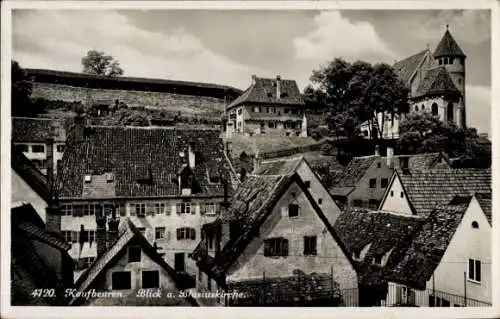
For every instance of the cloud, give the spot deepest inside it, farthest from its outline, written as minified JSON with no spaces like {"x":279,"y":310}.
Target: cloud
{"x":478,"y":103}
{"x":58,"y":39}
{"x":336,"y":36}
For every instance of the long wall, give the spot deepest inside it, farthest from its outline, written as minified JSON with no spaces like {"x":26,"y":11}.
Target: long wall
{"x":169,"y":101}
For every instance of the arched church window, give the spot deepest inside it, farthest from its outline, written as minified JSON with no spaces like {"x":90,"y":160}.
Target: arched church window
{"x":440,"y":61}
{"x":423,"y":107}
{"x":416,"y":108}
{"x":434,"y":109}
{"x":451,"y":60}
{"x":449,"y":112}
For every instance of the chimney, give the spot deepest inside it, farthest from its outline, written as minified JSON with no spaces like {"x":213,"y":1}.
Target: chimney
{"x":191,"y":155}
{"x":226,"y":203}
{"x":53,"y":211}
{"x":79,"y":128}
{"x":113,"y":223}
{"x":278,"y":87}
{"x":254,"y":79}
{"x":390,"y":157}
{"x":377,"y":150}
{"x":403,"y":163}
{"x":256,"y":161}
{"x":100,"y":234}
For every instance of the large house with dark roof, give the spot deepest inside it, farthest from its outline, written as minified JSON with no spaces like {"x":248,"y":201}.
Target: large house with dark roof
{"x":279,"y":222}
{"x":441,"y":260}
{"x":168,"y":181}
{"x":268,"y":106}
{"x":437,"y":80}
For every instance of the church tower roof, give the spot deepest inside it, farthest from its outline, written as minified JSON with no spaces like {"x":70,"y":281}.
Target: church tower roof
{"x":448,"y":46}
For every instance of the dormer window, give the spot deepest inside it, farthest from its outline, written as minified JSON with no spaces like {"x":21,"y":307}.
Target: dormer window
{"x":377,"y":259}
{"x":110,"y":177}
{"x":356,"y":255}
{"x":88,"y":178}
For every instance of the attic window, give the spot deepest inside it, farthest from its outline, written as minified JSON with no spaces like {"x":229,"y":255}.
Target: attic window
{"x":88,"y":178}
{"x":356,"y":255}
{"x":475,"y":224}
{"x":377,"y":259}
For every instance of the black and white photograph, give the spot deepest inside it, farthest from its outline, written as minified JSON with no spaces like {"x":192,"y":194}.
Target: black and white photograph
{"x":212,"y":156}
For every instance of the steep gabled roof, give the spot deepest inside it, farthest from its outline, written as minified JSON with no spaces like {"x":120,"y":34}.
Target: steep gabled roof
{"x":29,"y":173}
{"x":429,"y":245}
{"x":281,"y":166}
{"x":427,"y":188}
{"x":133,"y":154}
{"x":437,"y":81}
{"x":354,"y":171}
{"x":263,"y":91}
{"x":37,"y":130}
{"x":448,"y":47}
{"x":406,"y":67}
{"x":484,"y":200}
{"x":422,"y":161}
{"x":126,"y":233}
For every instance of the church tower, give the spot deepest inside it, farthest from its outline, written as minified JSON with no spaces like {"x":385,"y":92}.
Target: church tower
{"x":449,"y":55}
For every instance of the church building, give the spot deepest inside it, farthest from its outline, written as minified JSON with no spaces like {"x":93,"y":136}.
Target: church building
{"x":437,"y":80}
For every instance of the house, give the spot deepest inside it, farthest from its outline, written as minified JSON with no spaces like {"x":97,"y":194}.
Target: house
{"x":268,"y":106}
{"x":440,"y":260}
{"x":169,"y":181}
{"x":28,"y":184}
{"x":41,"y":268}
{"x":277,"y":226}
{"x":128,"y":271}
{"x":364,"y":180}
{"x":418,"y":192}
{"x":30,"y":136}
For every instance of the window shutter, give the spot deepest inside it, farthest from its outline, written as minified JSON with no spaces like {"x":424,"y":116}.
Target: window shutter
{"x":284,"y":249}
{"x":478,"y":270}
{"x":193,"y":209}
{"x":133,"y":209}
{"x":471,"y":269}
{"x":122,"y":210}
{"x":178,"y":209}
{"x":193,"y":233}
{"x":178,"y":233}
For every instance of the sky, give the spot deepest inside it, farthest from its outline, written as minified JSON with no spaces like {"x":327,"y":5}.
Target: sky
{"x":228,"y":47}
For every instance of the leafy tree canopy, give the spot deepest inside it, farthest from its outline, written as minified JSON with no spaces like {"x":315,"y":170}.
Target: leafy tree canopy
{"x":98,"y":63}
{"x":353,"y":93}
{"x":21,"y":89}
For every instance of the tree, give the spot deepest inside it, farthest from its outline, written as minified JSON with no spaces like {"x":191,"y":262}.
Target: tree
{"x":425,"y":133}
{"x":21,"y":88}
{"x":353,"y":93}
{"x":96,"y":62}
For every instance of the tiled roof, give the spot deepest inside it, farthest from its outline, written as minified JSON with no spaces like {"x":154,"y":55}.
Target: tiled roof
{"x":29,"y":173}
{"x":35,"y":232}
{"x":134,"y":153}
{"x":428,"y":246}
{"x":282,"y":166}
{"x":437,"y":81}
{"x":126,"y":232}
{"x":280,"y":118}
{"x":379,"y":234}
{"x":37,"y":130}
{"x":354,"y":171}
{"x":448,"y":47}
{"x":263,"y":91}
{"x":421,"y":161}
{"x":407,"y":66}
{"x":484,"y":200}
{"x":428,"y":188}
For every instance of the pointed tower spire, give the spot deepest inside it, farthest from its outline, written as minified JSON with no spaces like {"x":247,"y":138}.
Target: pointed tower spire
{"x":448,"y":46}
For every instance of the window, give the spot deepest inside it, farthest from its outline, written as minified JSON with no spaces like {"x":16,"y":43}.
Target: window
{"x":138,"y":209}
{"x":150,"y":279}
{"x":373,"y":203}
{"x":423,"y":107}
{"x":434,"y":109}
{"x":474,"y":270}
{"x":286,"y":111}
{"x":179,"y":263}
{"x":416,"y":108}
{"x":402,"y":195}
{"x":462,"y":61}
{"x":38,"y":148}
{"x":272,"y":125}
{"x":320,"y":201}
{"x":377,"y":259}
{"x":256,"y":109}
{"x":392,"y":193}
{"x":240,"y":110}
{"x":307,"y":184}
{"x":87,"y":261}
{"x":186,"y":233}
{"x":210,"y":209}
{"x":475,"y":224}
{"x":89,"y":209}
{"x":440,"y":61}
{"x":276,"y":247}
{"x":356,"y":255}
{"x":66,"y":235}
{"x":22,"y":147}
{"x":451,"y":60}
{"x":459,"y":81}
{"x":184,"y":208}
{"x":293,"y":210}
{"x":357,"y":203}
{"x":159,"y":232}
{"x":379,"y":165}
{"x":373,"y":182}
{"x":209,"y":283}
{"x":121,"y":280}
{"x":310,"y":246}
{"x":60,"y":148}
{"x":134,"y":254}
{"x":438,"y":302}
{"x":449,"y":112}
{"x":405,"y":296}
{"x":88,"y":236}
{"x":88,"y":178}
{"x":160,"y":208}
{"x":384,"y":182}
{"x":67,"y":210}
